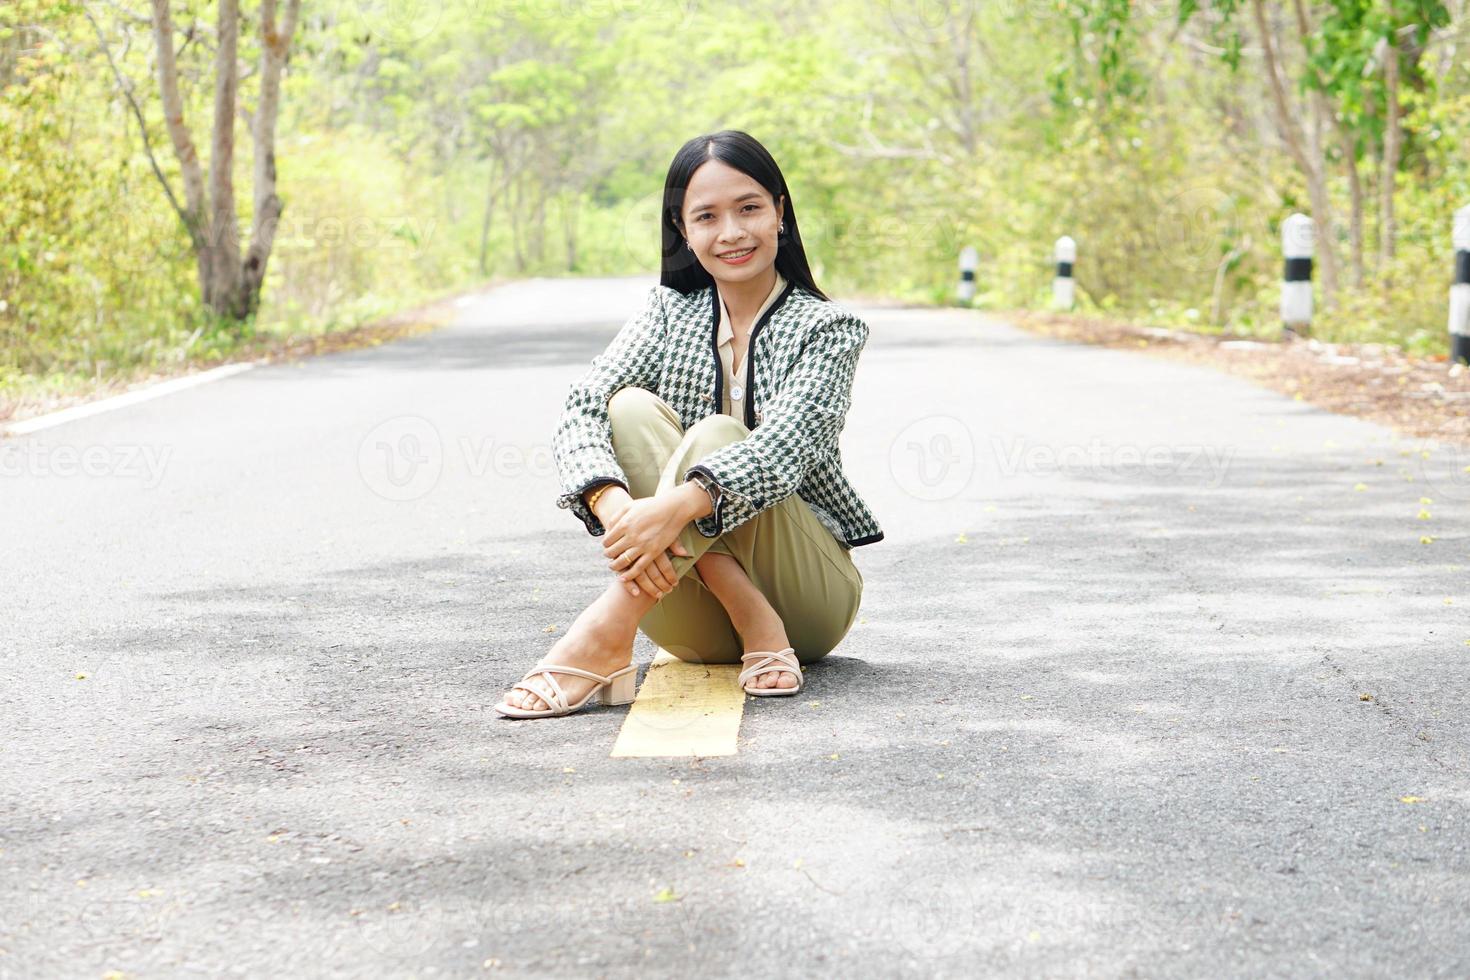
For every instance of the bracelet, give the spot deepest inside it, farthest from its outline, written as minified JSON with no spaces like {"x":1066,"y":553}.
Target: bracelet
{"x":592,"y":501}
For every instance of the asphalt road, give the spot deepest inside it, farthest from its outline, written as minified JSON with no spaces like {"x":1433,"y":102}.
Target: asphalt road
{"x":1154,"y":677}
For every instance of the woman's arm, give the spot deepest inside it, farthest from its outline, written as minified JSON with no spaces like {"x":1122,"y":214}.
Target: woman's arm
{"x":799,"y":429}
{"x":582,"y":444}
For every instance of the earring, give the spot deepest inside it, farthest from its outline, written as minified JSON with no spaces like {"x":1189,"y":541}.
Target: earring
{"x":687,"y":245}
{"x":781,"y":228}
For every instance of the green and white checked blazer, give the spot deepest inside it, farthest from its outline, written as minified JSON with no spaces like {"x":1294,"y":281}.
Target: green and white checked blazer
{"x":799,"y":368}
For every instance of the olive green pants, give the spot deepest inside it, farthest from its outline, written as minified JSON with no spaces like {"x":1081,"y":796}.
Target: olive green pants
{"x":790,"y":556}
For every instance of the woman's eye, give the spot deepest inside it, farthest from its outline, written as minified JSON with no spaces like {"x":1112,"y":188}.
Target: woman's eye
{"x":701,"y":217}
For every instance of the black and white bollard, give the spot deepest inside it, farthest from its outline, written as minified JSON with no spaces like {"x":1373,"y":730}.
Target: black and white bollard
{"x":969,"y":262}
{"x":1297,"y":237}
{"x":1460,"y":290}
{"x":1063,"y":288}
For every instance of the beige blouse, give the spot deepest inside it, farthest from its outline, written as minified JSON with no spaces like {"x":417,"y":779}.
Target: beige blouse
{"x":733,"y":397}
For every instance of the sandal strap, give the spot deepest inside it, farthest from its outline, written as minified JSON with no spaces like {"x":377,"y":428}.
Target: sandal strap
{"x":770,"y":660}
{"x":569,"y":669}
{"x":558,"y":700}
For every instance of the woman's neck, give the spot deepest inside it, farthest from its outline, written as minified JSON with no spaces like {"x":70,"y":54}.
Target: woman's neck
{"x":742,"y":299}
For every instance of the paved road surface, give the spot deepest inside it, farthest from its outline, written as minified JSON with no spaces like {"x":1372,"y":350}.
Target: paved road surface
{"x":1143,"y":686}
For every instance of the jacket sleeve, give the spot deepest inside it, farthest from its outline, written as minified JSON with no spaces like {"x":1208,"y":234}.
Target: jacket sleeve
{"x":582,"y":444}
{"x":799,"y":429}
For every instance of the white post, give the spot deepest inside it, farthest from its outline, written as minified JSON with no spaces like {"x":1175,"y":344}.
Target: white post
{"x":969,"y":262}
{"x":1460,"y":290}
{"x":1297,"y":239}
{"x":1063,"y":287}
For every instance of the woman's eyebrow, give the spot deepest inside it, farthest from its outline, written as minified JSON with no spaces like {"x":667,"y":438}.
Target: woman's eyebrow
{"x":743,"y":197}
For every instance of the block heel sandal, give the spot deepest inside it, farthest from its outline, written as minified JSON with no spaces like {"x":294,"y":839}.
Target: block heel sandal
{"x":619,"y":687}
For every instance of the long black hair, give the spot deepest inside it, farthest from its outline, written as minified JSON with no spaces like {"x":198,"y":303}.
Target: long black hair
{"x":680,"y":268}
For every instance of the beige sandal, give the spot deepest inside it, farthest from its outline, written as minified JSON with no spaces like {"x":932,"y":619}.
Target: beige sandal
{"x":616,"y":688}
{"x":779,"y":660}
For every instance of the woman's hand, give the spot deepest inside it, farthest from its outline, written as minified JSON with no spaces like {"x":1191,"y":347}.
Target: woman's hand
{"x":638,"y":533}
{"x":658,"y":577}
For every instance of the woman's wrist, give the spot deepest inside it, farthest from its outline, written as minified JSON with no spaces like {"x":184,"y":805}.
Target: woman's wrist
{"x":608,"y":498}
{"x":694,"y":500}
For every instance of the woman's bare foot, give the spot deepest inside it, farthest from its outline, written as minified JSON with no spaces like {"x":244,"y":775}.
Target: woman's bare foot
{"x":599,"y":640}
{"x":757,"y":622}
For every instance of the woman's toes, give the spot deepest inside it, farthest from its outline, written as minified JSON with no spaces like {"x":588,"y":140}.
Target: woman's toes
{"x":521,"y":698}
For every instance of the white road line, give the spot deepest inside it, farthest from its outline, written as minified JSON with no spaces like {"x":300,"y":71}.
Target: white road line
{"x":126,"y":398}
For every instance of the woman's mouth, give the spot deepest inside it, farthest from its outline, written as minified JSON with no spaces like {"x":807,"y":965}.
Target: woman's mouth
{"x":737,"y":258}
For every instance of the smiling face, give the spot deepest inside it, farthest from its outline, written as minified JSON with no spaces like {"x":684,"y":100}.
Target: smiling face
{"x":727,"y":211}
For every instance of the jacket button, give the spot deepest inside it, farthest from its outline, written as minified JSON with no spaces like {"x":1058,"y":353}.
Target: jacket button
{"x":709,"y":397}
{"x":757,"y":416}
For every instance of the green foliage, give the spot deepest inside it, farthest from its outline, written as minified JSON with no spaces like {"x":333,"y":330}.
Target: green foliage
{"x":543,"y":131}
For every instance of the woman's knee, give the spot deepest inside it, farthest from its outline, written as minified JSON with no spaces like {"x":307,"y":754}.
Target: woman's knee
{"x":720,"y":424}
{"x":716,"y":430}
{"x":632,"y":401}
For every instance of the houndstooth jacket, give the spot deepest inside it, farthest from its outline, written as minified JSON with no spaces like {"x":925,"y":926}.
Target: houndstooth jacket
{"x":802,"y":352}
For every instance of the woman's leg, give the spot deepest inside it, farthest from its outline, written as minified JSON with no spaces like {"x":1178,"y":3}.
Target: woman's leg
{"x":600,"y":639}
{"x":782,"y":562}
{"x":795,"y":564}
{"x":645,"y":434}
{"x":754,"y":618}
{"x":780,"y":579}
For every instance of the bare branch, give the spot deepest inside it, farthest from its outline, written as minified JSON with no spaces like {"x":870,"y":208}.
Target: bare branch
{"x":126,"y":88}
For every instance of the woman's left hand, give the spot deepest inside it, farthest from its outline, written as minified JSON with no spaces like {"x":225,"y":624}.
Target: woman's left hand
{"x":640,"y":534}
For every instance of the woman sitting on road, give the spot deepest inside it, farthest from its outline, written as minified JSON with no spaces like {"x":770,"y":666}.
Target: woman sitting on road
{"x":703,"y":445}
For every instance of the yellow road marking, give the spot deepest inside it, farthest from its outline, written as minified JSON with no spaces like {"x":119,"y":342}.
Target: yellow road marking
{"x":683,"y":709}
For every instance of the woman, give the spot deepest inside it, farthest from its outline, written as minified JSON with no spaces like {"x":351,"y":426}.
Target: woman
{"x":702,"y":445}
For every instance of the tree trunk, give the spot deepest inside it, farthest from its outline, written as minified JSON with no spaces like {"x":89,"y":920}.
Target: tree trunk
{"x":1311,"y":166}
{"x":514,"y":210}
{"x":536,"y":244}
{"x":192,"y":212}
{"x":569,"y":227}
{"x":229,"y":285}
{"x":223,"y":288}
{"x":275,"y":47}
{"x":491,"y":193}
{"x":1392,"y":132}
{"x":1355,"y":186}
{"x":1346,"y":140}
